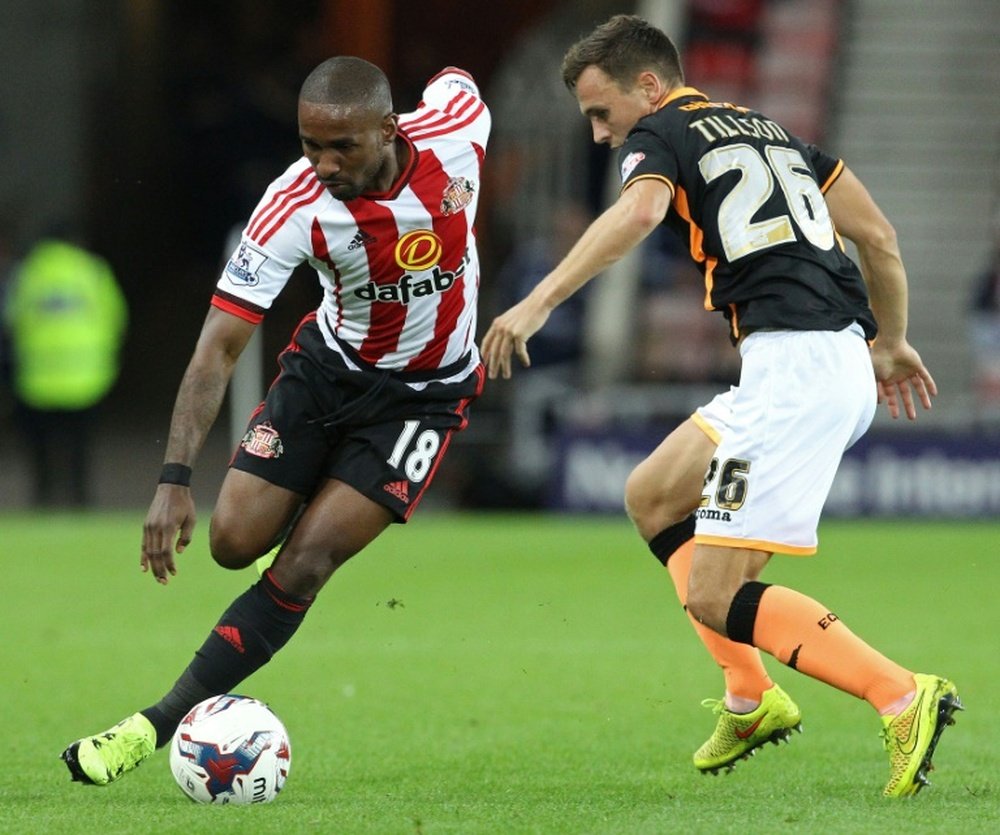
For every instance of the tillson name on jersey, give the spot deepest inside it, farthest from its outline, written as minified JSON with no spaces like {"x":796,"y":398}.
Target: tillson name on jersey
{"x":726,"y":126}
{"x":408,"y":287}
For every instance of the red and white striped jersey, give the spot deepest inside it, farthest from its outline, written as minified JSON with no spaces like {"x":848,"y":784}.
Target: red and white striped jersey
{"x":399,"y":270}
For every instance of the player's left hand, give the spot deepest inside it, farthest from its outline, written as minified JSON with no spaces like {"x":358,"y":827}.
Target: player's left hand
{"x":171,"y":516}
{"x":899,"y":372}
{"x":509,"y":334}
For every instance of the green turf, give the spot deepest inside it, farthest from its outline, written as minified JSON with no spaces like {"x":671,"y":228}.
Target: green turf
{"x":504,"y":674}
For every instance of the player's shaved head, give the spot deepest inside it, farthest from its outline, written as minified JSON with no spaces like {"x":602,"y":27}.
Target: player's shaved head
{"x":347,"y":128}
{"x":348,"y":82}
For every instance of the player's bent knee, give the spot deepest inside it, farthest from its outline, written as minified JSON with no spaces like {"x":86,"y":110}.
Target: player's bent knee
{"x":304,"y":571}
{"x":650,"y":509}
{"x":231,"y":548}
{"x":708,"y":609}
{"x":639,"y":500}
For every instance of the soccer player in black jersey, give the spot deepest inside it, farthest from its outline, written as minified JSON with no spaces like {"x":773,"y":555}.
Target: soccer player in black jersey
{"x":747,"y":475}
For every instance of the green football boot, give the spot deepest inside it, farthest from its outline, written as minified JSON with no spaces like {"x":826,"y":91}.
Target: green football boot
{"x":911,"y":736}
{"x":103,"y":758}
{"x":738,"y":735}
{"x":265,"y":562}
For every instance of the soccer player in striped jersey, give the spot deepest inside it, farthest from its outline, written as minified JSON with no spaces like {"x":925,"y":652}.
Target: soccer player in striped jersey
{"x":747,"y":475}
{"x":372,"y":386}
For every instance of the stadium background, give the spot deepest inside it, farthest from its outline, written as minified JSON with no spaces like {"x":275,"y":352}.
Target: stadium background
{"x":155,"y":126}
{"x":498,"y":672}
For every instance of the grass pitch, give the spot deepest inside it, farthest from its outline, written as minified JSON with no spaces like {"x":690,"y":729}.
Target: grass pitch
{"x":493,"y":674}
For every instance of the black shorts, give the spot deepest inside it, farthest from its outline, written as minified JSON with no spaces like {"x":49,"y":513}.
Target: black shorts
{"x":367,"y":428}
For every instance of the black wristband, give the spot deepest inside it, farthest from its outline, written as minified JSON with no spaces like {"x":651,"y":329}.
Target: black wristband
{"x":176,"y":474}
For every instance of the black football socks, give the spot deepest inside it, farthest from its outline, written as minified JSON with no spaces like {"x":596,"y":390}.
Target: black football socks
{"x":257,"y":624}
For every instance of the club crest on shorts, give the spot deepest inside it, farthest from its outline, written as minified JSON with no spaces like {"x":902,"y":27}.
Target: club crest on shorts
{"x":263,"y":441}
{"x":457,"y":195}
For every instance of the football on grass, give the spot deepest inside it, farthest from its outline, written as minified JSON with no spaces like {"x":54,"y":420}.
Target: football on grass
{"x":230,"y":749}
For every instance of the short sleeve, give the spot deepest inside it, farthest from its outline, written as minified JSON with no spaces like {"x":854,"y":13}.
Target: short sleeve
{"x":451,"y":106}
{"x":827,"y":168}
{"x":646,"y":156}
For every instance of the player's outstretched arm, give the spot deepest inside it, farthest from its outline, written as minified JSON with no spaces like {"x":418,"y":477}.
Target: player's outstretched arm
{"x":899,"y":371}
{"x":171,"y":515}
{"x":636,"y":213}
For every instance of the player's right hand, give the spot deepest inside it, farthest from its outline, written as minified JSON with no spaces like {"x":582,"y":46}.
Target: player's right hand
{"x":509,"y":334}
{"x":899,"y":374}
{"x":170,"y":515}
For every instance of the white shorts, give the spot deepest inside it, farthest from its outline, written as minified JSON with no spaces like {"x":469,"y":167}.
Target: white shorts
{"x":803,"y":398}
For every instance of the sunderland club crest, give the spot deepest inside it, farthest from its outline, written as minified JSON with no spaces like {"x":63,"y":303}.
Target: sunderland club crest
{"x":457,"y":195}
{"x":263,"y":441}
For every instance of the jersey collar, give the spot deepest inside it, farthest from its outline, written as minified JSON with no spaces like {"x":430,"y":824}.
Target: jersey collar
{"x":404,"y":176}
{"x":679,"y":93}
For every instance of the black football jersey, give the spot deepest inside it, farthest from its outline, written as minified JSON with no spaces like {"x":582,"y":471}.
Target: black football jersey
{"x":748,"y":202}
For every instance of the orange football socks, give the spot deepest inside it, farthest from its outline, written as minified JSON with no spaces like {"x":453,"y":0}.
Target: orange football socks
{"x":741,"y":664}
{"x":805,"y":635}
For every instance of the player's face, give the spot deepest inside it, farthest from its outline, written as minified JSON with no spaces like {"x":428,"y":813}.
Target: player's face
{"x":348,"y":148}
{"x":611,"y":110}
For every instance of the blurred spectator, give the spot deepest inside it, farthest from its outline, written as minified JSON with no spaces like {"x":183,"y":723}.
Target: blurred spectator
{"x":7,"y":265}
{"x":556,"y":353}
{"x":65,"y":317}
{"x":674,"y":341}
{"x":985,"y":336}
{"x":722,"y":47}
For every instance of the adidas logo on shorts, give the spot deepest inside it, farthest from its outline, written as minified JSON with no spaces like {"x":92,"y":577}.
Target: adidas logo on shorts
{"x":399,"y":489}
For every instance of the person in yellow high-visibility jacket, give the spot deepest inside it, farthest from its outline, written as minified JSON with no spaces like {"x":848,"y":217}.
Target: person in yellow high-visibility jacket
{"x":66,"y":317}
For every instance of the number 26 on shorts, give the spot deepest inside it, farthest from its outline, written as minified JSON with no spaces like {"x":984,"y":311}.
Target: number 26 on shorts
{"x":732,"y":490}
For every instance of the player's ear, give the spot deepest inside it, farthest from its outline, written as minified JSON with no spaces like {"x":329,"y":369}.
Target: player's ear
{"x":390,"y":127}
{"x":652,"y":86}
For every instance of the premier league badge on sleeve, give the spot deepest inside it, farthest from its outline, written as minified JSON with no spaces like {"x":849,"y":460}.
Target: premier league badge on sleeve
{"x":244,"y":265}
{"x":461,"y":84}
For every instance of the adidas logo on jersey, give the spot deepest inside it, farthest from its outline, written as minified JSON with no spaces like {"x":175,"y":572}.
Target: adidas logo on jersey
{"x":362,"y":238}
{"x":407,"y":288}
